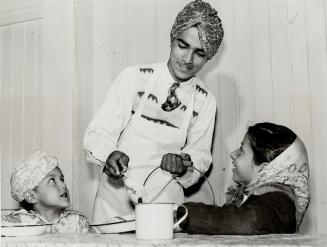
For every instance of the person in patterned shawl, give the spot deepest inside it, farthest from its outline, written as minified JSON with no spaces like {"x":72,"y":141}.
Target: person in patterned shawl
{"x":271,"y":194}
{"x":157,"y":115}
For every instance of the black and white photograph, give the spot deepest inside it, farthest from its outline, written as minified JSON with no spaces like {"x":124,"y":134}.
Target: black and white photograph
{"x":163,"y":122}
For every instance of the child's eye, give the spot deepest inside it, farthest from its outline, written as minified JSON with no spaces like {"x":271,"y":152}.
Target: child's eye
{"x":181,"y":45}
{"x":62,"y":179}
{"x":52,"y":180}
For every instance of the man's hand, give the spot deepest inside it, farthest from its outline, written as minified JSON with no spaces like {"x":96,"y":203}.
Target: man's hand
{"x":176,"y":164}
{"x":116,"y":164}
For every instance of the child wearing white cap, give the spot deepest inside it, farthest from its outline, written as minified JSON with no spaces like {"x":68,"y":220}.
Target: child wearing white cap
{"x":38,"y":185}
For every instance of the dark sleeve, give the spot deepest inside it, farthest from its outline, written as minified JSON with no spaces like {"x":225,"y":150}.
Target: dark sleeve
{"x":273,"y":212}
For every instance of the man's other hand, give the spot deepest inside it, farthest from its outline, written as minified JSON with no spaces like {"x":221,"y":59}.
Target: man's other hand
{"x":116,"y":164}
{"x":176,"y":164}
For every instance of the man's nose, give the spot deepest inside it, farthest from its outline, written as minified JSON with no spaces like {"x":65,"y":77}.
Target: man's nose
{"x":188,"y":57}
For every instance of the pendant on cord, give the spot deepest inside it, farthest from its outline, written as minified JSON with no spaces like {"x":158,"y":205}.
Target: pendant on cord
{"x":172,"y":101}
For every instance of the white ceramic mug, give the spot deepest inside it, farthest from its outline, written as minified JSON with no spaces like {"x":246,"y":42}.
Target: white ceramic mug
{"x":156,"y":220}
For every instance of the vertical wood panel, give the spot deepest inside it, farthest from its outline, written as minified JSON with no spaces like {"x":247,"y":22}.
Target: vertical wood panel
{"x":1,"y":110}
{"x":244,"y":64}
{"x":58,"y":82}
{"x":141,"y":34}
{"x":6,"y":112}
{"x":21,"y":117}
{"x":118,"y":41}
{"x":317,"y":64}
{"x":38,"y":86}
{"x":262,"y":60}
{"x":300,"y":84}
{"x":281,"y":87}
{"x":220,"y":75}
{"x":29,"y":88}
{"x":17,"y":93}
{"x":229,"y":95}
{"x":85,"y":175}
{"x":299,"y":70}
{"x":106,"y":59}
{"x":162,"y":29}
{"x":321,"y":180}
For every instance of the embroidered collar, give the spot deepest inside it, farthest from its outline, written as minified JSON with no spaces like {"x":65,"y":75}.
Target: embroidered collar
{"x":63,"y":213}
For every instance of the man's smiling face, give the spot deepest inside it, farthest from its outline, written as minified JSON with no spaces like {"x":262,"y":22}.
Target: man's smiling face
{"x":187,"y":56}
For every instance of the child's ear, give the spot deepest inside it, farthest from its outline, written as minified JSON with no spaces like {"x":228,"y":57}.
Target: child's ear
{"x":261,"y":166}
{"x":258,"y":168}
{"x":30,"y":196}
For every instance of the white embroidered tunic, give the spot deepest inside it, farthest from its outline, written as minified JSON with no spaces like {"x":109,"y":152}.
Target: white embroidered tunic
{"x":131,"y":120}
{"x":68,"y":221}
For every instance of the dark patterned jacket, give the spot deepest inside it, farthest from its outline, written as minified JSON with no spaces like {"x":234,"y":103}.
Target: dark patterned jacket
{"x":273,"y":212}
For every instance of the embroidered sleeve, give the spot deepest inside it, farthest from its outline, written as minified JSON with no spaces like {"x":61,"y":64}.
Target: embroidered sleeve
{"x":21,"y":216}
{"x":7,"y":219}
{"x":70,"y":222}
{"x":83,"y":225}
{"x":103,"y":132}
{"x":199,"y":140}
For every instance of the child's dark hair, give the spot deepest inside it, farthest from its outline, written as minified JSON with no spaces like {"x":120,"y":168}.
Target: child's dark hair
{"x":268,"y":140}
{"x":26,"y":205}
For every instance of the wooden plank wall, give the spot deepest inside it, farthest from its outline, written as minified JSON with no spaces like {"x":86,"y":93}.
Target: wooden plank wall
{"x":21,"y":89}
{"x":37,"y":79}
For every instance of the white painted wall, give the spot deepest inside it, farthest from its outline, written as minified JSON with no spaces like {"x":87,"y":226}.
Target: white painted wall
{"x":272,"y":66}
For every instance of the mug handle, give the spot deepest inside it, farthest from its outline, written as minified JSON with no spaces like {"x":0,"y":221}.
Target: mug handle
{"x":181,"y":219}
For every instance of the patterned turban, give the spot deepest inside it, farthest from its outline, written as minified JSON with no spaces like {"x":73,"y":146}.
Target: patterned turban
{"x":201,"y":15}
{"x":31,"y":172}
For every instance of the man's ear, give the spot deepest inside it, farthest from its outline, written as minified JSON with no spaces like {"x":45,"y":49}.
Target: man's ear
{"x":30,"y":196}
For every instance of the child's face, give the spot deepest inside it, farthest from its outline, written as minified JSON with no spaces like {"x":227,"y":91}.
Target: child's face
{"x":243,"y":161}
{"x":52,"y":192}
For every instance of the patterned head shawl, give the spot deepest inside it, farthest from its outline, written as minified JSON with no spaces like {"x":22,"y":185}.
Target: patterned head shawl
{"x":289,"y":169}
{"x":201,"y":15}
{"x":31,"y":172}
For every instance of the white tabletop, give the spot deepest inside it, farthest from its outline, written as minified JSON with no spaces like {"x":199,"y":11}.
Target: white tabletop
{"x":180,"y":239}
